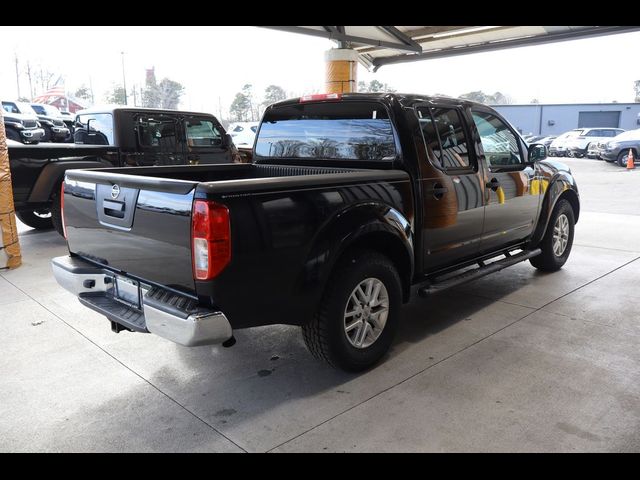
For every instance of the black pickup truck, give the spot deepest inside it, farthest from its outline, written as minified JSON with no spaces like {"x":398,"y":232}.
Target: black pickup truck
{"x":351,"y":200}
{"x":112,"y":137}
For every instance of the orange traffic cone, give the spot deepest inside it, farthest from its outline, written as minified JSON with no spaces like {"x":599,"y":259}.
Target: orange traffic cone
{"x":630,"y":164}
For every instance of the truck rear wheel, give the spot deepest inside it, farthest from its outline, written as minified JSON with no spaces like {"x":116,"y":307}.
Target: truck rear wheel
{"x":358,"y":316}
{"x":56,"y":213}
{"x":38,"y":219}
{"x":557,"y":241}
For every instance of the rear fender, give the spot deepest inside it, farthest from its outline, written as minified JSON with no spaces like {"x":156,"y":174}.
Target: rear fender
{"x":374,"y":226}
{"x":52,"y":175}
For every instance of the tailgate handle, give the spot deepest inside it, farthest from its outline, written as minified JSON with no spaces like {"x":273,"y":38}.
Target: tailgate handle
{"x":113,"y":209}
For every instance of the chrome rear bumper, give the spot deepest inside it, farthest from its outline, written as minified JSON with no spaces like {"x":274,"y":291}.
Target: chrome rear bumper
{"x":163,"y":313}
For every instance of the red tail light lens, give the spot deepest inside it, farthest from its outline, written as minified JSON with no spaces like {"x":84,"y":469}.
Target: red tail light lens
{"x":210,"y":239}
{"x":64,"y":227}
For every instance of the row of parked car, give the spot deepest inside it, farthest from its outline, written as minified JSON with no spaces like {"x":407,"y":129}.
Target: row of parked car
{"x":609,"y":144}
{"x":34,"y":122}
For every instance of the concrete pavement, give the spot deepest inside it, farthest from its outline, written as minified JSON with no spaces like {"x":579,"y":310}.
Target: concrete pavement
{"x":516,"y":361}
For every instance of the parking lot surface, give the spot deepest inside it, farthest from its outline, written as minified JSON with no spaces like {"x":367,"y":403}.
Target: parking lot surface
{"x":516,"y":361}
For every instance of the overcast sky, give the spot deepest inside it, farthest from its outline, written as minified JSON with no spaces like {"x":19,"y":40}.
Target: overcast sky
{"x":214,"y":62}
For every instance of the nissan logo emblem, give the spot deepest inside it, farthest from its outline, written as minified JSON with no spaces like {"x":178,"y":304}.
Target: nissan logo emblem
{"x":115,"y":192}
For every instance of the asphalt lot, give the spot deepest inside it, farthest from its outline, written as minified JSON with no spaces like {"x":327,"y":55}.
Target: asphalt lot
{"x":517,"y":361}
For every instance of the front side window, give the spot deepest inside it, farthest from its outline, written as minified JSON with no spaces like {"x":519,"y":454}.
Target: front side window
{"x":498,"y":141}
{"x":202,"y":133}
{"x":444,"y":137}
{"x":333,"y":131}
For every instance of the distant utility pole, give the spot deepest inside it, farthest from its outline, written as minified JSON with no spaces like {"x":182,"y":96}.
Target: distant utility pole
{"x":135,"y":96}
{"x":17,"y":75}
{"x":124,"y":82}
{"x":30,"y":82}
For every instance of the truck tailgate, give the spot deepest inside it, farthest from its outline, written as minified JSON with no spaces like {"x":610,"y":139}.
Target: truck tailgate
{"x":132,"y":224}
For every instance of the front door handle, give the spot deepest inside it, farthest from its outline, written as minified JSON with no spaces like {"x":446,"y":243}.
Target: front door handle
{"x":493,"y":184}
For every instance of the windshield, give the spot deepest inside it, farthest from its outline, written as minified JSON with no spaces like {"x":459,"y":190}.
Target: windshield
{"x":344,"y":131}
{"x":25,"y":108}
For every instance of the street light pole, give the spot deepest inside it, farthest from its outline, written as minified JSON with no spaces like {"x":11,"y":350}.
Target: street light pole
{"x":124,"y":81}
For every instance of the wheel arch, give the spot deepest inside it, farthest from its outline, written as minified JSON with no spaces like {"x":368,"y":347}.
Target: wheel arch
{"x":370,"y":226}
{"x":562,"y":187}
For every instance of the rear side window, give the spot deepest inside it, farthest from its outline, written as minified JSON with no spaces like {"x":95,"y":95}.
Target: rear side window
{"x":202,"y":133}
{"x":342,"y":131}
{"x":444,"y":137}
{"x":157,"y":132}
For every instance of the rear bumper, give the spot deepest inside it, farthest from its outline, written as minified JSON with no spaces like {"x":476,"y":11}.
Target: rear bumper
{"x":166,"y":314}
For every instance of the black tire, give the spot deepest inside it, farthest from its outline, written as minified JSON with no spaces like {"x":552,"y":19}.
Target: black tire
{"x":40,"y":219}
{"x":325,"y":335}
{"x":56,"y":213}
{"x":622,"y":158}
{"x":13,"y":135}
{"x":548,"y":260}
{"x":48,"y":134}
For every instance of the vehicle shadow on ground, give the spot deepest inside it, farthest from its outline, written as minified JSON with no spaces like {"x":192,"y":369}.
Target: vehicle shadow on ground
{"x":268,"y":388}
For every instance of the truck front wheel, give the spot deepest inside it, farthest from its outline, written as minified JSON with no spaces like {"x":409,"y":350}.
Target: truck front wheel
{"x":557,"y":241}
{"x":358,"y":316}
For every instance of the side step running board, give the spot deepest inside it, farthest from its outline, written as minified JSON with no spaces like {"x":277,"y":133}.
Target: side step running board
{"x":478,"y":272}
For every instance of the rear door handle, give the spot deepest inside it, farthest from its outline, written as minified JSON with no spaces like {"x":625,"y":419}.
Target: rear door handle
{"x":438,"y":191}
{"x":493,"y":184}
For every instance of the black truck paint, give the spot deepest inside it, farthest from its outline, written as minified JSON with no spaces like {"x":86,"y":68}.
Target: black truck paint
{"x":111,"y":137}
{"x":438,"y":204}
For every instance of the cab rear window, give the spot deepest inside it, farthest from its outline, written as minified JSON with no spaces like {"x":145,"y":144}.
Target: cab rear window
{"x":350,"y":131}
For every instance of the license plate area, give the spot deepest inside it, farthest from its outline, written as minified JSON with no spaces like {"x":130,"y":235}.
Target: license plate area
{"x":127,"y":291}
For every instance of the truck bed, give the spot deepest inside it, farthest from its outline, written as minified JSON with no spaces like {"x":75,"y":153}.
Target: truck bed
{"x":276,"y":214}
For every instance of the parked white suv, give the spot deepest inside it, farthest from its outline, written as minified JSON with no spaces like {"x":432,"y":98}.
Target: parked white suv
{"x":558,"y":147}
{"x":579,"y":146}
{"x":243,"y":133}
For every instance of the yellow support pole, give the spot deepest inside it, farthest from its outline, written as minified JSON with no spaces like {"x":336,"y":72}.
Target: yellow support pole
{"x":10,"y":256}
{"x":342,"y":70}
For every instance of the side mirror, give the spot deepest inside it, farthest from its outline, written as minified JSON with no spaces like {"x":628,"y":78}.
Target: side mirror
{"x":537,"y":152}
{"x":228,"y":139}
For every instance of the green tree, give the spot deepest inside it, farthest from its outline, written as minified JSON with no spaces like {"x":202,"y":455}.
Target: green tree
{"x":169,"y":93}
{"x":374,"y":86}
{"x":497,"y":98}
{"x":241,"y":109}
{"x":116,"y":95}
{"x":83,"y":93}
{"x":636,"y":89}
{"x":273,"y":94}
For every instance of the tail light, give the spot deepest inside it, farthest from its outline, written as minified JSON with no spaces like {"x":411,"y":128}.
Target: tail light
{"x":64,"y":227}
{"x":210,"y":239}
{"x":320,"y":96}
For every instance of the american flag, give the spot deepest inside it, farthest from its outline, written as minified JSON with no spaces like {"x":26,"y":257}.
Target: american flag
{"x":55,"y":91}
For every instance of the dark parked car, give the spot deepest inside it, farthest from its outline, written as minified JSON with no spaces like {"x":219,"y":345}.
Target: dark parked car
{"x":351,"y":201}
{"x":21,"y":122}
{"x":617,"y":149}
{"x":114,"y":137}
{"x":52,"y":122}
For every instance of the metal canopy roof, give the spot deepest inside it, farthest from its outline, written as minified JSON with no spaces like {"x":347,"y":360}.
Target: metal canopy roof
{"x":378,"y":46}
